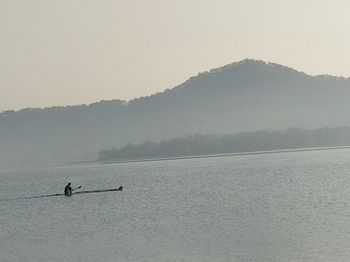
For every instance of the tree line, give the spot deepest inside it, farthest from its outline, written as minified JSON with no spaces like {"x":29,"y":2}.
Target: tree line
{"x":291,"y":138}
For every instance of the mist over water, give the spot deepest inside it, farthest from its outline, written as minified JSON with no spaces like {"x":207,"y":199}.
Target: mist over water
{"x":276,"y":207}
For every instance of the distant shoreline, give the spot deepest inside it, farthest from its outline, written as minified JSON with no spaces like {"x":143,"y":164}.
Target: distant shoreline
{"x":211,"y":155}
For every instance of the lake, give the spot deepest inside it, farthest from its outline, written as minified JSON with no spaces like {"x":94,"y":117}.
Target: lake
{"x":276,"y":207}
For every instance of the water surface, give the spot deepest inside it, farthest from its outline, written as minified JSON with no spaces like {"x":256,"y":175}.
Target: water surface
{"x":276,"y":207}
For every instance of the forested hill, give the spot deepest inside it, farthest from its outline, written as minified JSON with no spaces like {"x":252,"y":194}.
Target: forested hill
{"x":197,"y":145}
{"x":246,"y":96}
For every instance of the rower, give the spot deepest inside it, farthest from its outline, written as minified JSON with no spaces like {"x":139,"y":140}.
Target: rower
{"x":68,"y":190}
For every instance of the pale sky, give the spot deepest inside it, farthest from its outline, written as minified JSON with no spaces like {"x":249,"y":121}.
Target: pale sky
{"x":60,"y":52}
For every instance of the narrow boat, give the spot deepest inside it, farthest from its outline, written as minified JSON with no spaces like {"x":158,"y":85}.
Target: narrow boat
{"x":73,"y":193}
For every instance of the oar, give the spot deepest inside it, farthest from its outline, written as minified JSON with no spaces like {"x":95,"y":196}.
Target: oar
{"x":76,"y":188}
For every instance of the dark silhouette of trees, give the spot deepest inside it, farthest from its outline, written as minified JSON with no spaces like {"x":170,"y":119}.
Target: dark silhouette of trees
{"x":291,"y":138}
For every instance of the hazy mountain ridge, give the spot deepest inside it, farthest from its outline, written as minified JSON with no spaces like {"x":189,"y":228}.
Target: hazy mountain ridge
{"x":246,"y":96}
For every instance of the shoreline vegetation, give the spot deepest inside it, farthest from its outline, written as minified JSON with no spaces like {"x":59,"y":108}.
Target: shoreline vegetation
{"x":218,"y":155}
{"x":202,"y":146}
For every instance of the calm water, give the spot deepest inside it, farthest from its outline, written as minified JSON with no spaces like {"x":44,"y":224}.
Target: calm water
{"x":277,"y":207}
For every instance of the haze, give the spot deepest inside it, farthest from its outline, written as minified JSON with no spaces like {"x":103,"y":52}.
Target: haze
{"x":74,"y":52}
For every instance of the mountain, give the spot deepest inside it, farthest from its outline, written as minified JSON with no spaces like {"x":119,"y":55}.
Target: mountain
{"x":245,"y":96}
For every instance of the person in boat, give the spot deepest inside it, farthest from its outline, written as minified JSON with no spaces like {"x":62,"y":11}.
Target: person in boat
{"x":68,"y":190}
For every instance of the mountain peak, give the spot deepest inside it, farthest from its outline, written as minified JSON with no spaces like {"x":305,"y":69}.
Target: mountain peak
{"x":254,"y":64}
